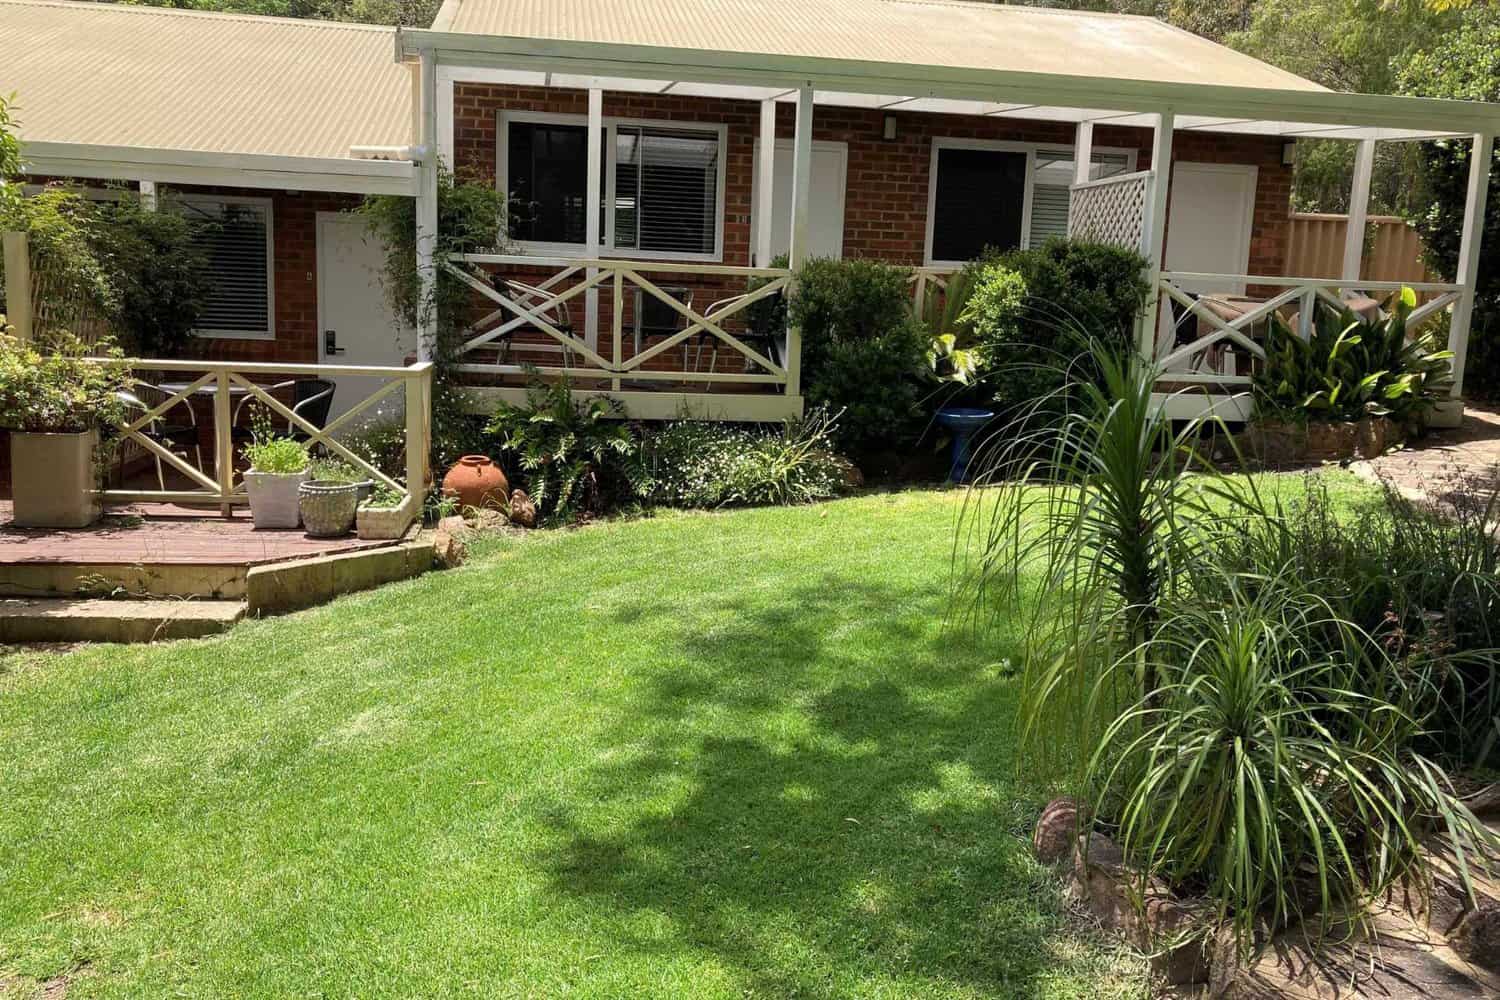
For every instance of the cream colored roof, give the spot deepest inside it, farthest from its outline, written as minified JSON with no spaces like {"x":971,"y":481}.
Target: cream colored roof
{"x":187,"y":80}
{"x":945,"y":33}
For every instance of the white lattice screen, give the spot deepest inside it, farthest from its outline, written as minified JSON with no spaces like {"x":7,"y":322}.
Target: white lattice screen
{"x":1111,"y":211}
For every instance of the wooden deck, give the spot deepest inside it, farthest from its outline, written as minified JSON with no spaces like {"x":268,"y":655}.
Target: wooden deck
{"x":164,"y":535}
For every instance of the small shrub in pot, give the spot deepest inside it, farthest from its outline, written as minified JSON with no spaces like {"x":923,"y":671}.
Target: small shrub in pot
{"x":278,"y":466}
{"x":54,"y":399}
{"x":382,"y":515}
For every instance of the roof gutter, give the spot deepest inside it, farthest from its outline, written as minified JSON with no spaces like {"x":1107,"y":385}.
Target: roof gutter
{"x":212,"y":168}
{"x":865,"y":77}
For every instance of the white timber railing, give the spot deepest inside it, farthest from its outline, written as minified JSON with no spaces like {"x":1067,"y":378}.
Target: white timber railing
{"x":928,"y":281}
{"x":180,"y":390}
{"x":1207,"y":324}
{"x":543,"y":310}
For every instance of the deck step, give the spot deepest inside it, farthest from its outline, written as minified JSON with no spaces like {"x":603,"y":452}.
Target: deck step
{"x":92,"y":619}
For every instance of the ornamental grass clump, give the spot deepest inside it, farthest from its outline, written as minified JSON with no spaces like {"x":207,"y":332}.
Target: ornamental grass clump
{"x":1201,"y":668}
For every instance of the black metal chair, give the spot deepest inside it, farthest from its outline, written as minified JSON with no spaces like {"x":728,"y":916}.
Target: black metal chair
{"x":312,"y":398}
{"x":558,"y":314}
{"x":177,"y":437}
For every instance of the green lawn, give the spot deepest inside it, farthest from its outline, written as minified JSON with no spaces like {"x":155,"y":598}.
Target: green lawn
{"x":696,"y":755}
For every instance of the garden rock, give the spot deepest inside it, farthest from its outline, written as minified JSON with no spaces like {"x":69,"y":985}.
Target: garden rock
{"x":1056,"y":831}
{"x":1478,"y":937}
{"x":522,"y":509}
{"x":448,"y":547}
{"x":1148,"y":916}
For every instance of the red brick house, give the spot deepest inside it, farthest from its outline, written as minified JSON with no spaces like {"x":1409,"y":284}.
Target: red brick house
{"x":714,"y":136}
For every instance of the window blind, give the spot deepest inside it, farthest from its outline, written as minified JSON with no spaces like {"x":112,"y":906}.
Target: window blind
{"x":235,"y":241}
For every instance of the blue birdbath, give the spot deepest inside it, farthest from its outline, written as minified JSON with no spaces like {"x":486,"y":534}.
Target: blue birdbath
{"x":962,"y":421}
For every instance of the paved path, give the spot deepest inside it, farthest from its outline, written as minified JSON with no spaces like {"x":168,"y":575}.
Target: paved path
{"x":1452,"y":467}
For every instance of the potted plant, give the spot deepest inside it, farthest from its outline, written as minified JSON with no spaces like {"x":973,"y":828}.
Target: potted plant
{"x":54,"y":398}
{"x":330,"y":496}
{"x":382,"y":515}
{"x":278,"y":466}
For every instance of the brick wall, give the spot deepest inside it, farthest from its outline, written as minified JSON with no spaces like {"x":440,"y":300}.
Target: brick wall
{"x":295,"y":280}
{"x":885,"y":209}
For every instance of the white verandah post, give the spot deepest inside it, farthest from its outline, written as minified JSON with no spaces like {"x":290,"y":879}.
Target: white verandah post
{"x":1156,"y":228}
{"x":1480,"y":162}
{"x":765,"y":180}
{"x":1359,"y":211}
{"x":1083,"y":152}
{"x":593,"y":202}
{"x":801,"y":200}
{"x":427,"y":203}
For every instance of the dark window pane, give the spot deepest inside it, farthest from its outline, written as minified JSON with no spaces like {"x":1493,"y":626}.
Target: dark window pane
{"x":548,"y":168}
{"x":980,"y":194}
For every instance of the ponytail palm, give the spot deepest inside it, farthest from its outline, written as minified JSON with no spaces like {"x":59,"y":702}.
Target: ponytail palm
{"x":1097,"y":513}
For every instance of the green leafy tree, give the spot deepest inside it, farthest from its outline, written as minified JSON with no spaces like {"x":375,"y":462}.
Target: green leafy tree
{"x":1463,"y":65}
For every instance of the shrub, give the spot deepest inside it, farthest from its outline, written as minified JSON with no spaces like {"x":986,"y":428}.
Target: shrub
{"x":278,"y":455}
{"x":1426,"y":586}
{"x":1044,"y":307}
{"x":50,"y":385}
{"x":863,"y":351}
{"x":382,"y":443}
{"x":335,"y":470}
{"x":698,"y":464}
{"x":157,"y":270}
{"x":575,"y":458}
{"x":1350,"y":368}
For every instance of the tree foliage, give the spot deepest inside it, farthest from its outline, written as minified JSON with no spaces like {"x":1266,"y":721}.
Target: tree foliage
{"x":1464,"y":65}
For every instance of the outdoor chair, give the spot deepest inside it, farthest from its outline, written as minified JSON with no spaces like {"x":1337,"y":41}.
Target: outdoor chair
{"x":177,"y":436}
{"x":312,"y":398}
{"x":558,"y":314}
{"x":761,"y":336}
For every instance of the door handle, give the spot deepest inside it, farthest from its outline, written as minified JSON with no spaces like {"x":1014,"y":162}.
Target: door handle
{"x":331,"y":342}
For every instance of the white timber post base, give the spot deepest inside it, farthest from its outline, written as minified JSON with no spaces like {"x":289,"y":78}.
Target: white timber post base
{"x":1451,"y":414}
{"x":1156,"y":229}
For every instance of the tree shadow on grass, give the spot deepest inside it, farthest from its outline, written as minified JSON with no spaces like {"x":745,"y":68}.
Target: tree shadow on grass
{"x":836,"y":804}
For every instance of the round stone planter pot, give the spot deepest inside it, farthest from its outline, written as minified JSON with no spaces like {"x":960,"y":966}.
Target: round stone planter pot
{"x":273,"y":497}
{"x":327,"y":508}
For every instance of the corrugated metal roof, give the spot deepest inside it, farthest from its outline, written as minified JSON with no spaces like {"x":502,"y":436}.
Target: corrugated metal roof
{"x":172,"y":79}
{"x":946,"y":33}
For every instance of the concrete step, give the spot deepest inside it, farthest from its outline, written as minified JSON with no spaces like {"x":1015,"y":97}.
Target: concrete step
{"x":92,"y":619}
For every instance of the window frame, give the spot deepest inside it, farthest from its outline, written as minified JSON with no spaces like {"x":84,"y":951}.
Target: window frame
{"x":1031,"y":149}
{"x":268,"y":205}
{"x":505,"y":118}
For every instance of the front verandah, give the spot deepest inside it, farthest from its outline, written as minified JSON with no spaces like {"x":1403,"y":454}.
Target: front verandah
{"x":1129,"y":210}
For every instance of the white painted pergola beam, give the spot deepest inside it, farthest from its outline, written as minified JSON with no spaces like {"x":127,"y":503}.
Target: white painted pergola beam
{"x":426,"y":222}
{"x":593,"y":201}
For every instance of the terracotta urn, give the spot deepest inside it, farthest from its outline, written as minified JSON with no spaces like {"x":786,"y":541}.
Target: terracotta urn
{"x":475,"y":481}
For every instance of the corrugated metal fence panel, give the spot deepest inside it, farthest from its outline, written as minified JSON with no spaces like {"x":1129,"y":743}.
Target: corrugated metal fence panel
{"x":1393,"y":253}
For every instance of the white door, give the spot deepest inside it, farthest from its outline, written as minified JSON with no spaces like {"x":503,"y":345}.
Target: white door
{"x":355,"y":325}
{"x":1209,"y":220}
{"x":830,"y":166}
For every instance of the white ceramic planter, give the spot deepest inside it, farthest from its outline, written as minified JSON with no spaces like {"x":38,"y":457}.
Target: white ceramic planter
{"x":273,"y":498}
{"x":52,"y":479}
{"x":381,"y":522}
